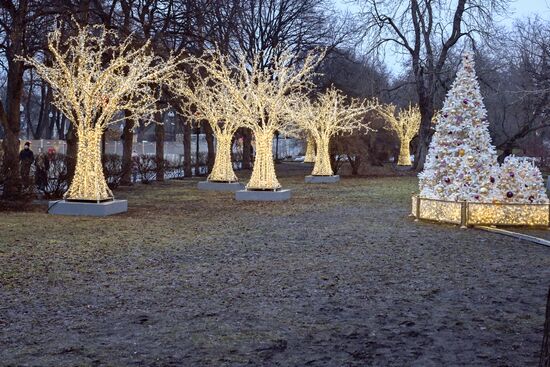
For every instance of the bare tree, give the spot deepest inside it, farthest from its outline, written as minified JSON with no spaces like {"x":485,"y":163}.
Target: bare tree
{"x":426,"y":31}
{"x":22,"y":26}
{"x":524,"y":90}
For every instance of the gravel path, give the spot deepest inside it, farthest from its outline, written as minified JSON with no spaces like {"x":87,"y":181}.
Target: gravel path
{"x":338,"y":276}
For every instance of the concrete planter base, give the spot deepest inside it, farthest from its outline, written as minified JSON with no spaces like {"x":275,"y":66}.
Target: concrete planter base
{"x":322,"y":179}
{"x":220,"y":186}
{"x":251,"y":195}
{"x":79,"y":208}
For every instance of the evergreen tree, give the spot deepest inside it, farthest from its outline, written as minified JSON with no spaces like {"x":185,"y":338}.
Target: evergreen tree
{"x":461,"y":162}
{"x":520,"y":181}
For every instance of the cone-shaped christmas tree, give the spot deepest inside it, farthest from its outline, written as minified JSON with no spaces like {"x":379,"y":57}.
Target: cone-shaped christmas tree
{"x":461,"y":162}
{"x":520,"y":181}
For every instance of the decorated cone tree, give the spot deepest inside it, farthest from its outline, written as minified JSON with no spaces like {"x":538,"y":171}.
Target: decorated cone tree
{"x":520,"y":181}
{"x":95,"y":76}
{"x":405,"y":125}
{"x":207,"y":99}
{"x":461,"y":162}
{"x":331,"y":114}
{"x":310,"y":149}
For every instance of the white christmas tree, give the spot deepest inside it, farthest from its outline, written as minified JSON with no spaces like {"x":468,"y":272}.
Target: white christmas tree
{"x":461,"y":162}
{"x":520,"y":181}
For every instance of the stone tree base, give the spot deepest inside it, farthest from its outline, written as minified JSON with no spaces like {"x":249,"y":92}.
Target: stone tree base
{"x":322,"y":179}
{"x":261,"y":195}
{"x":220,"y":186}
{"x":83,"y":208}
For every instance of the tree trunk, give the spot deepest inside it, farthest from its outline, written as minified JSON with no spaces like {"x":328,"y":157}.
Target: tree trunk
{"x":426,"y":132}
{"x":247,"y":148}
{"x":211,"y":155}
{"x":404,"y":153}
{"x":44,"y":120}
{"x":89,"y":181}
{"x":187,"y":169}
{"x":127,"y":148}
{"x":506,"y":151}
{"x":12,"y":127}
{"x":72,"y":143}
{"x":322,"y":165}
{"x":222,"y":171}
{"x":197,"y":150}
{"x":355,"y":163}
{"x":159,"y":139}
{"x":310,"y":150}
{"x":263,"y":175}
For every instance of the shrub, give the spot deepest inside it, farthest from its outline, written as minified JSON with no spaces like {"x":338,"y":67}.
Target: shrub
{"x":146,"y":167}
{"x":58,"y":179}
{"x":112,"y":169}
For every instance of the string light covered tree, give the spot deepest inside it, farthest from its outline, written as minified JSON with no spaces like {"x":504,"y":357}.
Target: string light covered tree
{"x":331,"y":114}
{"x":405,"y":125}
{"x":95,"y":75}
{"x":310,"y":149}
{"x":208,"y":99}
{"x":461,"y":162}
{"x":520,"y":181}
{"x":261,"y":96}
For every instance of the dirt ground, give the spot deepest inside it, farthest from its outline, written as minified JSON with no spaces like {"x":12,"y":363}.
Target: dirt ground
{"x":337,"y":276}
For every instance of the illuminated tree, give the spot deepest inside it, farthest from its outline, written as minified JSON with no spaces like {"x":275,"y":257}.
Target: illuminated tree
{"x":261,"y":96}
{"x":95,"y":76}
{"x":520,"y":181}
{"x":405,"y":125}
{"x":330,"y":115}
{"x":462,"y":162}
{"x":208,"y":99}
{"x":310,"y":150}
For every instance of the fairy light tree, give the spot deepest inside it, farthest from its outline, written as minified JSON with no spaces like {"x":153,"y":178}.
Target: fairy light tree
{"x":207,"y":99}
{"x":261,"y":96}
{"x":405,"y":125}
{"x":330,"y":115}
{"x":95,"y":76}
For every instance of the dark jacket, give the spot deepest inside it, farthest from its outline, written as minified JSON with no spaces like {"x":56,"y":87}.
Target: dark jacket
{"x":26,"y":156}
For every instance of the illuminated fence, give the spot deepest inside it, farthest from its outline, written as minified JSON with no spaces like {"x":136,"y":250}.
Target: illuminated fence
{"x":471,"y":214}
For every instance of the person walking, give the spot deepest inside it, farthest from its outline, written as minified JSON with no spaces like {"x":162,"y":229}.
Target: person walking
{"x":26,"y":159}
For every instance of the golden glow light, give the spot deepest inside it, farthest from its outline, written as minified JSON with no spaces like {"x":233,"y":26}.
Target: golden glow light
{"x":405,"y":125}
{"x":208,"y":99}
{"x":260,"y":96}
{"x":470,"y":213}
{"x":95,"y":76}
{"x":331,"y":114}
{"x":310,"y":150}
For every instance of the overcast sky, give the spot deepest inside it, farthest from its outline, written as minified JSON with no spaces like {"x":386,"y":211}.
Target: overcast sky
{"x":518,"y":9}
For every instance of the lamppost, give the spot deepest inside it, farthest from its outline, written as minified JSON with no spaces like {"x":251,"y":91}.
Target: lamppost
{"x":171,"y":115}
{"x":21,"y":110}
